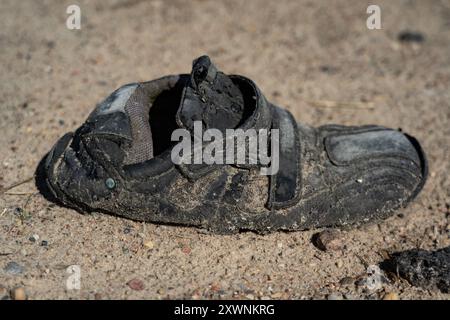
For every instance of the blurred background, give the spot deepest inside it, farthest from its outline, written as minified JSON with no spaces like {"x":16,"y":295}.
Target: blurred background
{"x":316,"y":58}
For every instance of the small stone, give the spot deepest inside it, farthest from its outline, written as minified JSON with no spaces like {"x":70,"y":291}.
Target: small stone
{"x":339,"y":264}
{"x":334,"y":296}
{"x":186,"y":250}
{"x":18,"y":294}
{"x":50,"y":44}
{"x":347,"y":281}
{"x":328,"y":240}
{"x":97,"y":296}
{"x":44,"y":243}
{"x":136,"y":284}
{"x":411,"y":36}
{"x":149,"y":244}
{"x":390,"y":296}
{"x":13,"y":268}
{"x":160,"y":291}
{"x":34,"y":238}
{"x":215,"y":287}
{"x":328,"y":69}
{"x":422,"y":268}
{"x":250,"y":297}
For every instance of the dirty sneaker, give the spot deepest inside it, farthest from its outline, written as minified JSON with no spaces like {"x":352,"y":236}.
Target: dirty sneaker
{"x":123,"y":160}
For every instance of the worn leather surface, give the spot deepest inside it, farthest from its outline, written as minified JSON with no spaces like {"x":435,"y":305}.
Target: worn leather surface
{"x":329,"y":176}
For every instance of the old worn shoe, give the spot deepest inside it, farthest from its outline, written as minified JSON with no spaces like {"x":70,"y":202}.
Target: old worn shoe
{"x":122,"y":160}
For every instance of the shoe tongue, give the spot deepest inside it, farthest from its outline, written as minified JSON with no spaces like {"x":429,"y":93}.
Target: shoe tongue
{"x":211,"y":97}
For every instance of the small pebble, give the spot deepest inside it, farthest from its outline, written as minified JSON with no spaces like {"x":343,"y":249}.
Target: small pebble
{"x":409,"y":36}
{"x":390,"y":296}
{"x":328,"y":240}
{"x":276,"y":93}
{"x":149,"y":244}
{"x":347,"y":281}
{"x":44,"y":243}
{"x":186,"y":250}
{"x":34,"y":238}
{"x":13,"y":268}
{"x":136,"y":284}
{"x":50,"y":44}
{"x":18,"y":294}
{"x":328,"y":69}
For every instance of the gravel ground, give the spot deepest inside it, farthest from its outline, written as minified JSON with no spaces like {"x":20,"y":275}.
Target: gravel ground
{"x":317,"y":58}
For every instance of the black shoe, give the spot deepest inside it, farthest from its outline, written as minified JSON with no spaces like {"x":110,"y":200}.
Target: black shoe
{"x":119,"y":161}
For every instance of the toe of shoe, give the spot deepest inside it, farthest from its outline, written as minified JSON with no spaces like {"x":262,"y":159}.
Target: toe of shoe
{"x":380,"y":170}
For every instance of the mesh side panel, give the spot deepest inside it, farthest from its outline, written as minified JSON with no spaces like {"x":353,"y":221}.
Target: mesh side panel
{"x":137,"y":108}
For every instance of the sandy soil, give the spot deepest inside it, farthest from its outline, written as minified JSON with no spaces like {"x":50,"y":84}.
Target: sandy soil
{"x":301,"y":53}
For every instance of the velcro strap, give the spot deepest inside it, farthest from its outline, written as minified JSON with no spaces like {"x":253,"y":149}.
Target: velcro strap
{"x":284,"y":189}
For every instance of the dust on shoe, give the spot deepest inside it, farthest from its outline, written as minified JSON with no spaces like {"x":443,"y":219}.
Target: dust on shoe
{"x":119,"y":161}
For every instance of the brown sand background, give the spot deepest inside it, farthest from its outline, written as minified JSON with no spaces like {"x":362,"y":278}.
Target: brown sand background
{"x":301,"y":53}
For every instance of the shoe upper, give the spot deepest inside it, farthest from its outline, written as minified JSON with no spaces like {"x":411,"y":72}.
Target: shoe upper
{"x":119,"y":161}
